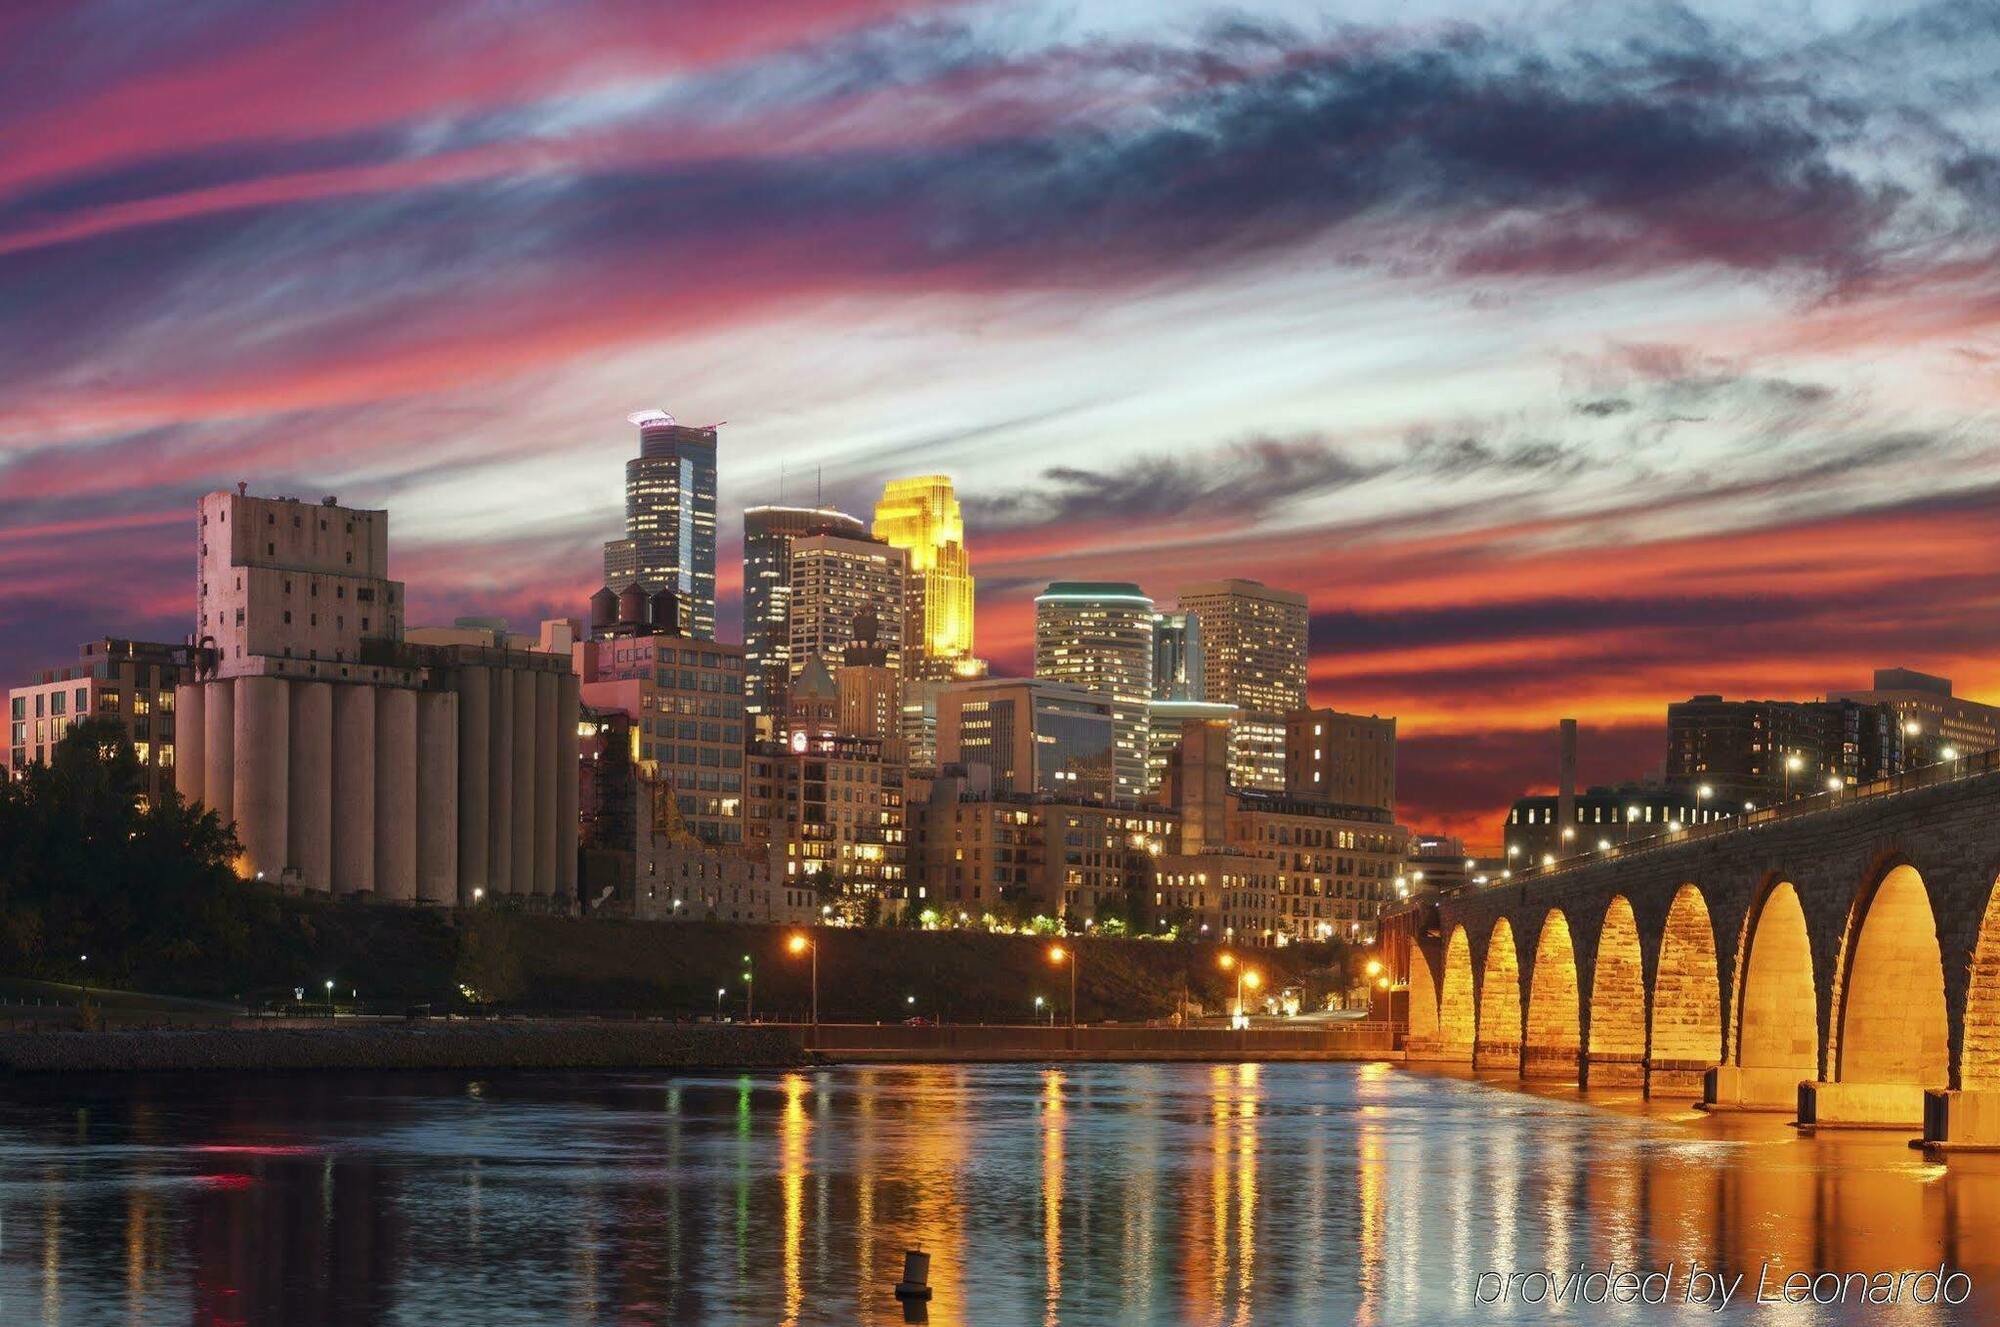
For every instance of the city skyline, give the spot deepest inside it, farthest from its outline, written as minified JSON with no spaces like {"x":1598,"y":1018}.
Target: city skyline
{"x":1744,"y":448}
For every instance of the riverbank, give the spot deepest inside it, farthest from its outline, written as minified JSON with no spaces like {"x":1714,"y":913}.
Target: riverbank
{"x":479,"y":1046}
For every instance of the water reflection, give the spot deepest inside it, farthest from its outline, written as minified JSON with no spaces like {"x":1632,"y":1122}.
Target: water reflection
{"x":1226,"y":1195}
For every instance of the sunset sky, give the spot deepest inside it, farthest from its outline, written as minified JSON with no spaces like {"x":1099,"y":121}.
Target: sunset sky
{"x":1573,"y":358}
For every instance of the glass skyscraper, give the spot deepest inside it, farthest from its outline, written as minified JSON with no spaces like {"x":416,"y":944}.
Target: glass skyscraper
{"x":669,"y":541}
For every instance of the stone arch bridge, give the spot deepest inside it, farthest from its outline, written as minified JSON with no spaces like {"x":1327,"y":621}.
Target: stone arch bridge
{"x":1840,"y":958}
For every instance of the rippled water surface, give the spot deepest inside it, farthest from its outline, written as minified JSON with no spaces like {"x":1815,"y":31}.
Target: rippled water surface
{"x":1142,"y":1194}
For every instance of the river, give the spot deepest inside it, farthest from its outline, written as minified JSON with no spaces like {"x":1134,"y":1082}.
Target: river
{"x":1093,"y":1194}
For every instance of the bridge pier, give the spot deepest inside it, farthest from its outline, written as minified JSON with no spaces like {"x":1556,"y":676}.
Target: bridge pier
{"x":1557,"y":1064}
{"x":1496,"y":1055}
{"x":1860,"y":1105}
{"x":1732,"y":1087}
{"x":1676,"y":1078}
{"x":1609,"y":1070}
{"x":1957,"y":1121}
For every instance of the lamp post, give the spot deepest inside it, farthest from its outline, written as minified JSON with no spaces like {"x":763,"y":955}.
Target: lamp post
{"x":1792,"y":762}
{"x":1039,"y":1002}
{"x":720,"y":991}
{"x":799,"y":944}
{"x":1059,"y":955}
{"x":749,"y":992}
{"x":329,"y":997}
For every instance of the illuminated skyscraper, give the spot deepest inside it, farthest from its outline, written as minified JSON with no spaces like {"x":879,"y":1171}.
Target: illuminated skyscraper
{"x":921,"y":516}
{"x":1098,"y":635}
{"x":768,"y":534}
{"x":1253,"y":646}
{"x":669,"y":541}
{"x":839,"y":585}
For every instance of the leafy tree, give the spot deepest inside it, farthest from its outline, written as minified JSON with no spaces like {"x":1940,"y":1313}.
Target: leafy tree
{"x":85,"y":868}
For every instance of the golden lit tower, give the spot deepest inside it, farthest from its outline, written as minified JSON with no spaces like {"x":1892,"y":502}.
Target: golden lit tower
{"x":922,"y":517}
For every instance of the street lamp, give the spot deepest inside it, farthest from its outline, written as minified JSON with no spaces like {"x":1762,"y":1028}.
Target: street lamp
{"x":1833,"y":783}
{"x":1949,"y":752}
{"x":1039,"y":1002}
{"x":749,"y":990}
{"x":1793,"y":763}
{"x":799,"y":944}
{"x":1059,"y":955}
{"x":720,"y":991}
{"x":1253,"y":979}
{"x":329,"y":997}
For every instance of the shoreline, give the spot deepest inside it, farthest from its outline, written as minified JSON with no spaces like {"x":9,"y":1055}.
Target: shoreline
{"x":474,"y":1046}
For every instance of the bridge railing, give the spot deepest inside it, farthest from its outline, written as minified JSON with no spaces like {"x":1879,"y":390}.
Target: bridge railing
{"x":1926,"y":776}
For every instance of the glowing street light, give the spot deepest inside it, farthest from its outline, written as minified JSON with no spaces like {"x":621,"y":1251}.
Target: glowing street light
{"x":1793,"y":763}
{"x":1834,"y":784}
{"x":800,"y":944}
{"x":1949,"y":753}
{"x":1059,"y":956}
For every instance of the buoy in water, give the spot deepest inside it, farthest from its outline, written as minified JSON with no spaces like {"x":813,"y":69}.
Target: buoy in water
{"x":916,"y":1276}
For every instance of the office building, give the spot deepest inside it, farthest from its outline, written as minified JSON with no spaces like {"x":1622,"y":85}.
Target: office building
{"x":768,"y":533}
{"x":1337,"y":757}
{"x":1098,"y":636}
{"x":1253,"y":652}
{"x":1035,"y":737}
{"x":1934,"y":721}
{"x":684,"y":699}
{"x":127,"y":681}
{"x":921,"y":516}
{"x":1756,"y":752}
{"x":843,"y":589}
{"x":350,"y":760}
{"x":669,"y":541}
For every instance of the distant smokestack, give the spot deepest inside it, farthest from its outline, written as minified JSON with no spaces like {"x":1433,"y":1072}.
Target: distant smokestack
{"x":1566,"y":783}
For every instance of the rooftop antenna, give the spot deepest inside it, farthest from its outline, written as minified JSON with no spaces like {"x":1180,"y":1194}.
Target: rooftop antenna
{"x":781,"y":483}
{"x":818,"y":472}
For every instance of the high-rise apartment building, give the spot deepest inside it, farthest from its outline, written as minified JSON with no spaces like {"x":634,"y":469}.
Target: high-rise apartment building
{"x":127,"y":681}
{"x":1253,"y":646}
{"x":669,"y":541}
{"x":1934,"y":721}
{"x":921,"y":516}
{"x":1098,"y":635}
{"x":1335,"y":757}
{"x":842,"y":587}
{"x":1755,"y":752}
{"x":768,"y":533}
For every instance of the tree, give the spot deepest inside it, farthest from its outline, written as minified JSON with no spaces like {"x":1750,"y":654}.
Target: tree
{"x":86,"y":867}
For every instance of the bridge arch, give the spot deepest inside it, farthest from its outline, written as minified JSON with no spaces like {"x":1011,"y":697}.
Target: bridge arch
{"x":1458,"y":1011}
{"x":1423,"y":998}
{"x":1891,"y":1025}
{"x":1499,"y":1042}
{"x":1554,"y":1037}
{"x":1776,"y":1042}
{"x":1979,"y":1053}
{"x":1687,"y":997}
{"x":1618,"y":1000}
